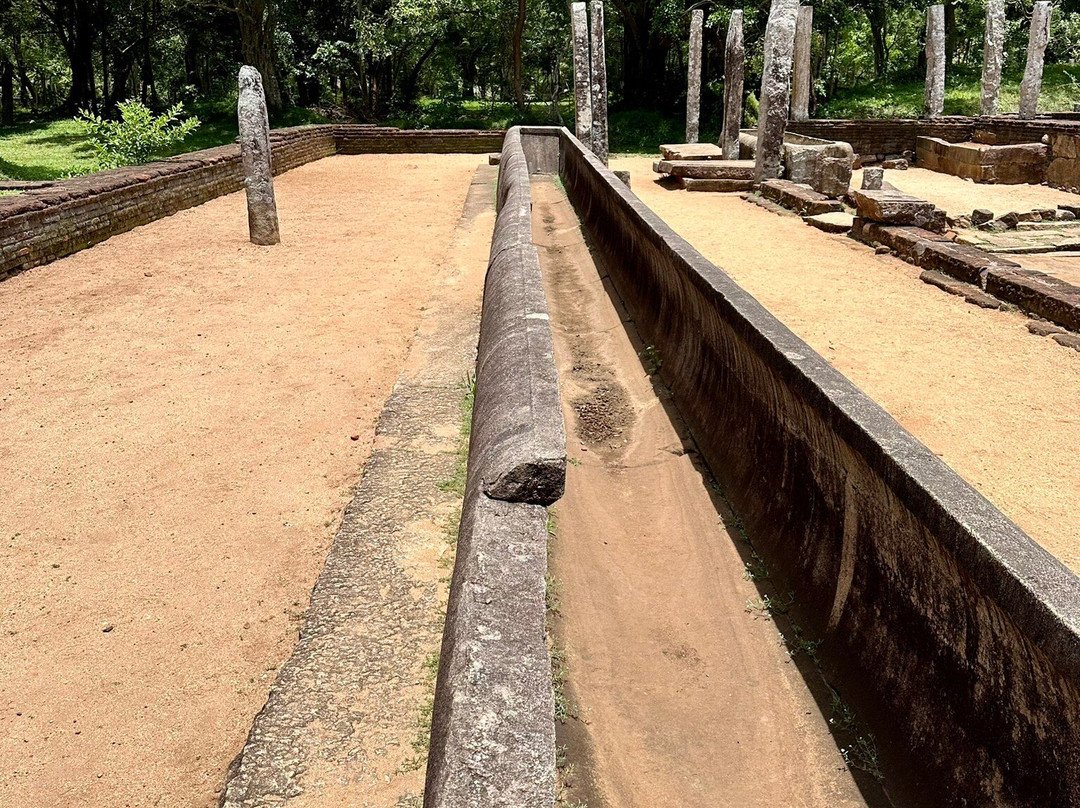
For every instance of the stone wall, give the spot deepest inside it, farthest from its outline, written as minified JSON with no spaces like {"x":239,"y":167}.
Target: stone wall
{"x":493,"y":722}
{"x":39,"y":226}
{"x":952,"y":633}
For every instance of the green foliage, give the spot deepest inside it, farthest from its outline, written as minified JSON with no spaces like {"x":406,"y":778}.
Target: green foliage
{"x":137,"y":135}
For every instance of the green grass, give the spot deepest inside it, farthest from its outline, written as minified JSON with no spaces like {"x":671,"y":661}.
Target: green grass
{"x":903,"y":97}
{"x":48,"y":149}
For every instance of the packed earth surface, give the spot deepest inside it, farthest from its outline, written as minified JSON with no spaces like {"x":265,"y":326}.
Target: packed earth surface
{"x":186,"y":416}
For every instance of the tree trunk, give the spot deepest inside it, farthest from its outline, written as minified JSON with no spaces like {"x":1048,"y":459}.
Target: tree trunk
{"x":516,"y":46}
{"x":27,"y":96}
{"x":950,"y":35}
{"x":877,"y":14}
{"x":7,"y":93}
{"x":257,"y":20}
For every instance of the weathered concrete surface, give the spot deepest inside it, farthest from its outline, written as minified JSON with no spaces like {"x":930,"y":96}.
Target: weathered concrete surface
{"x":331,"y":726}
{"x":693,"y":76}
{"x":734,"y":55}
{"x":934,"y":96}
{"x":949,"y":629}
{"x":993,"y":56}
{"x":801,"y":81}
{"x":598,"y":82}
{"x":579,"y":23}
{"x":493,"y":725}
{"x":256,"y":156}
{"x":1039,"y":37}
{"x":775,"y":88}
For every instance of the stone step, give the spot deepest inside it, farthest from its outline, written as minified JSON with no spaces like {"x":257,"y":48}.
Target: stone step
{"x":1051,"y":225}
{"x":800,"y":198}
{"x":707,"y":169}
{"x":720,"y":185}
{"x":893,"y":207}
{"x":837,"y":222}
{"x":691,"y":151}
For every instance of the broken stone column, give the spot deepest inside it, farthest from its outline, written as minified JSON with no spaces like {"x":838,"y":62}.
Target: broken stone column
{"x":255,"y":155}
{"x":579,"y":22}
{"x":599,"y":83}
{"x":734,"y":52}
{"x":1037,"y":40}
{"x":993,"y":56}
{"x":872,"y":177}
{"x":693,"y":76}
{"x":800,"y":98}
{"x":775,"y":89}
{"x":934,"y":99}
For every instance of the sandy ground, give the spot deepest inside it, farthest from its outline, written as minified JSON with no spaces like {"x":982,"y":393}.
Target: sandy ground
{"x":999,"y":405}
{"x":183,"y":418}
{"x":687,"y":698}
{"x":1064,"y":265}
{"x":958,"y":196}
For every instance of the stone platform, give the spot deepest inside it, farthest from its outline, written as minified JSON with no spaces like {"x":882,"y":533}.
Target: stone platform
{"x":982,"y":162}
{"x":709,"y":175}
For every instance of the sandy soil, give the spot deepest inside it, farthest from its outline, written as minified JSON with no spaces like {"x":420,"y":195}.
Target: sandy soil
{"x":688,"y":699}
{"x":1001,"y":406}
{"x":183,"y":417}
{"x":958,"y":196}
{"x":1064,"y":265}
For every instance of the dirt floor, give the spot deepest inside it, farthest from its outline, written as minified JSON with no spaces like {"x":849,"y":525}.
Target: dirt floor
{"x":999,"y":405}
{"x":184,"y":416}
{"x":687,"y":696}
{"x":957,"y":196}
{"x":1064,"y":264}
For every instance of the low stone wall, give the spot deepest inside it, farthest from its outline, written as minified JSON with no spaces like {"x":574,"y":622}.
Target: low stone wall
{"x":493,"y":725}
{"x":39,"y":226}
{"x":954,"y":635}
{"x":1007,"y":164}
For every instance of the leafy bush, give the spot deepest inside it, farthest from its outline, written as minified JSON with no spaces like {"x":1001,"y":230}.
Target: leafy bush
{"x":137,"y":136}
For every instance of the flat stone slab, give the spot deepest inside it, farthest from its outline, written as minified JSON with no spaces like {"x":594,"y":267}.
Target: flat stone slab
{"x":707,"y":169}
{"x":720,"y":186}
{"x":800,"y":198}
{"x":836,"y":222}
{"x":893,"y":207}
{"x":691,"y":151}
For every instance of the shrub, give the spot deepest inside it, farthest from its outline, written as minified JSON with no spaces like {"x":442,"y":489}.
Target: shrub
{"x":137,"y":135}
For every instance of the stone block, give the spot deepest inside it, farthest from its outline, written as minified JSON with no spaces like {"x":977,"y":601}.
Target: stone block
{"x":836,"y":222}
{"x":892,"y":207}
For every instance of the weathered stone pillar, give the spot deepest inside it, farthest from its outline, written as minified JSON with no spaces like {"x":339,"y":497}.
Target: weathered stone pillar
{"x":872,"y":177}
{"x":993,"y":56}
{"x":775,"y":89}
{"x":800,"y":92}
{"x":693,"y":76}
{"x":734,"y":52}
{"x":255,"y":155}
{"x":934,"y":99}
{"x":1039,"y":37}
{"x":579,"y":22}
{"x":599,"y":82}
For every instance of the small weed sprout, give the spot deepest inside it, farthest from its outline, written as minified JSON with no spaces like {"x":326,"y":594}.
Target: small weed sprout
{"x":798,"y":644}
{"x":770,"y":605}
{"x":650,"y":357}
{"x":755,"y":570}
{"x":862,"y":754}
{"x":842,"y":718}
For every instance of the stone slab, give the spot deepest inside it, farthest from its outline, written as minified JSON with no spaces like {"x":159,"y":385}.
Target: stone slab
{"x":719,"y":185}
{"x":691,"y":151}
{"x":836,"y":222}
{"x":707,"y":169}
{"x":802,"y":199}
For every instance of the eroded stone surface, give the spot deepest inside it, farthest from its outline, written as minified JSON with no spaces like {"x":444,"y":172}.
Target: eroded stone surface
{"x":800,"y":98}
{"x":734,"y":54}
{"x":1037,"y":41}
{"x":872,"y":178}
{"x":693,"y":76}
{"x":255,"y":154}
{"x":775,"y":88}
{"x":934,"y":99}
{"x":993,"y":55}
{"x":598,"y":82}
{"x":579,"y":22}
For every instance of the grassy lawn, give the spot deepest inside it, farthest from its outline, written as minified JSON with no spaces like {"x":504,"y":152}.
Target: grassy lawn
{"x":45,"y":150}
{"x":903,"y":98}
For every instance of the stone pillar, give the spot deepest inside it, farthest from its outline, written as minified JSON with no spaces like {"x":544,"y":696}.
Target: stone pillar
{"x":800,"y":98}
{"x":693,"y":76}
{"x":256,"y":155}
{"x":599,"y":83}
{"x":1039,"y":37}
{"x":872,"y":178}
{"x":934,"y":99}
{"x":579,"y":22}
{"x":734,"y":52}
{"x":775,"y":89}
{"x":993,"y":56}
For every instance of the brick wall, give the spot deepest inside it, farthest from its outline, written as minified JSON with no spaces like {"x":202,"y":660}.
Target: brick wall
{"x":39,"y":226}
